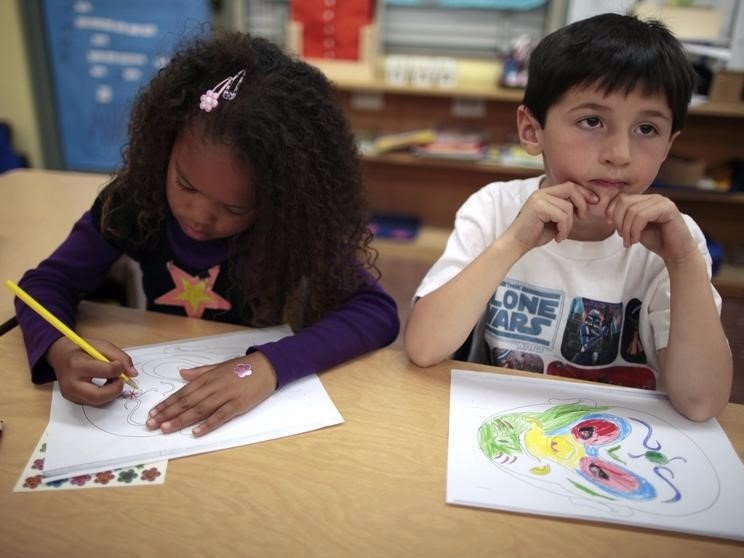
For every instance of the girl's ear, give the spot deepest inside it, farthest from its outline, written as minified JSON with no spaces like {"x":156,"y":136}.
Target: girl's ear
{"x":530,"y":131}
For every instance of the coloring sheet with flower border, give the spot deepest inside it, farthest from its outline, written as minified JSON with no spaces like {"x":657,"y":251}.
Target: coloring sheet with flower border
{"x":32,"y":478}
{"x":84,"y":439}
{"x":592,"y":452}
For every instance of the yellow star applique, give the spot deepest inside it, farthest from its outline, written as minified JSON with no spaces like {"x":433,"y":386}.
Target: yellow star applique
{"x":195,"y":294}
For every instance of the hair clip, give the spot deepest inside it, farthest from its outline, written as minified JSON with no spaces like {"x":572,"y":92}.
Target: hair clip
{"x":227,"y":88}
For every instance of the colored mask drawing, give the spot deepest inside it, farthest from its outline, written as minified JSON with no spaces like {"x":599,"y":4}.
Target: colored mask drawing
{"x":618,"y":458}
{"x":589,"y":451}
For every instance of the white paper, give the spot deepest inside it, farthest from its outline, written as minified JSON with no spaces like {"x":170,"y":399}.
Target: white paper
{"x":527,"y":445}
{"x":84,"y":438}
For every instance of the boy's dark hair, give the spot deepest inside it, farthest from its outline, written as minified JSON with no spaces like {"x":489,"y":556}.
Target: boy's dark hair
{"x":617,"y":53}
{"x":304,"y":252}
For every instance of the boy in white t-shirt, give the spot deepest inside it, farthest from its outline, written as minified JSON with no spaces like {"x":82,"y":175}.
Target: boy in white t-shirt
{"x":581,"y":273}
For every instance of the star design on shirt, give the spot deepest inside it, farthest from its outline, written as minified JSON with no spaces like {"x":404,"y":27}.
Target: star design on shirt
{"x":195,"y":294}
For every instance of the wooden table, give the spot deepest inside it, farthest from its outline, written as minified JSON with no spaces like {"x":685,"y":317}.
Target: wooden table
{"x":373,"y":486}
{"x":37,"y":212}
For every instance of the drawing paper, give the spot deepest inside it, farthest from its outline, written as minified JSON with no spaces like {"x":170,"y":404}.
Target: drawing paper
{"x":593,"y":452}
{"x":84,"y":438}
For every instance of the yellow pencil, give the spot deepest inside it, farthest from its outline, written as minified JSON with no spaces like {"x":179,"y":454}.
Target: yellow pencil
{"x":66,"y":331}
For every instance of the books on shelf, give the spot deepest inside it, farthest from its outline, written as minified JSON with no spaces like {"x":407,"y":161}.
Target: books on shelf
{"x":512,"y":155}
{"x":455,"y":144}
{"x":460,"y":144}
{"x":402,"y":140}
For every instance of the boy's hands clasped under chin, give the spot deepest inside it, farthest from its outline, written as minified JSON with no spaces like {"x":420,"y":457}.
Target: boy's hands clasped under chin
{"x":654,"y":221}
{"x":651,"y":219}
{"x":549,"y":214}
{"x":214,"y":395}
{"x":75,"y":370}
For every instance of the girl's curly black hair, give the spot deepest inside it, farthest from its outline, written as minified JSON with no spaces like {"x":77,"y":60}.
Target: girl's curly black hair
{"x":306,"y":250}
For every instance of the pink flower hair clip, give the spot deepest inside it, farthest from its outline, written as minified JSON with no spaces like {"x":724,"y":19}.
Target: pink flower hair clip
{"x":227,"y":89}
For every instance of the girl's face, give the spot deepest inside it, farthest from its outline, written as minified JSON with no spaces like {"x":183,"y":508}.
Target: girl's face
{"x":209,"y":191}
{"x":608,"y":143}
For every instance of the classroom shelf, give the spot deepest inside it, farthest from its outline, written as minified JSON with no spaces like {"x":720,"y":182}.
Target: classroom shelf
{"x":433,"y":189}
{"x":488,"y":92}
{"x":429,"y":243}
{"x":408,"y":160}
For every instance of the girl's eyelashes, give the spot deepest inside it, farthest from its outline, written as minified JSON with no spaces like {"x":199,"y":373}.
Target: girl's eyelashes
{"x":183,"y":186}
{"x":233,"y":210}
{"x":237,"y":211}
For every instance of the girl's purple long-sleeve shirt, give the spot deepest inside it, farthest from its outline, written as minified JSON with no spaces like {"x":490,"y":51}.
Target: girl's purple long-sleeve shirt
{"x":366,"y":321}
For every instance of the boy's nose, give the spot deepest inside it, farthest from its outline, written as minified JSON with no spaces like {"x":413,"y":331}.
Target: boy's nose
{"x":616,"y":149}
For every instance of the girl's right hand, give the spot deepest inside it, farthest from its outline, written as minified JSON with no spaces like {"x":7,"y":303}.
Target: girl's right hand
{"x":75,"y":370}
{"x":549,"y":214}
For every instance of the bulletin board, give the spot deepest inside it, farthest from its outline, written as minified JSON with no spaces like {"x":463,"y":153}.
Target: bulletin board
{"x":100,"y":54}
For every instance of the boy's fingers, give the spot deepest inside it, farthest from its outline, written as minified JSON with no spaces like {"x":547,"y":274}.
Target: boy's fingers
{"x":644,"y":214}
{"x":579,"y":196}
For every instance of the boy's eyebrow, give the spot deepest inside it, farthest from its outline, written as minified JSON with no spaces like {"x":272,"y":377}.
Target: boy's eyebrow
{"x":656,"y":114}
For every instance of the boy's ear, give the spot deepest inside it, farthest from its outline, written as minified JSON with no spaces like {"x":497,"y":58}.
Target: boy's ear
{"x":671,"y":141}
{"x":530,"y":131}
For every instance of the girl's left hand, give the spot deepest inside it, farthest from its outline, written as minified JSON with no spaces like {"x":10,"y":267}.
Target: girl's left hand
{"x":654,"y":221}
{"x":214,"y":395}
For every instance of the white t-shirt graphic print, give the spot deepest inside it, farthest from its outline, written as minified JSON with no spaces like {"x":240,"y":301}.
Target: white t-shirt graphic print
{"x":591,"y":310}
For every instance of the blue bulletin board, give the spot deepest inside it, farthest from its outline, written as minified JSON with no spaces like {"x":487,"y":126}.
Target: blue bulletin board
{"x":101,"y":52}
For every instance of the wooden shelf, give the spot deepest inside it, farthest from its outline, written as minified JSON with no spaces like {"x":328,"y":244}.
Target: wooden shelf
{"x":427,"y":246}
{"x":693,"y":195}
{"x":408,"y":160}
{"x":433,"y":189}
{"x":718,"y":109}
{"x":730,"y":281}
{"x":496,"y":93}
{"x":486,"y":92}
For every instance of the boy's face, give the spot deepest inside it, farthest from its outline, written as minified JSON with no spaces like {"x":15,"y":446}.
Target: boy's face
{"x":607,"y":143}
{"x":209,"y":192}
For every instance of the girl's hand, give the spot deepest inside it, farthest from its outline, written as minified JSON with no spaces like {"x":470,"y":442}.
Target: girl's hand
{"x":75,"y":370}
{"x":655,"y":222}
{"x":549,"y":214}
{"x":214,"y":395}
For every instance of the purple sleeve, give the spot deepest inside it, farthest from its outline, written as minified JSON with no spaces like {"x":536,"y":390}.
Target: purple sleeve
{"x":368,"y":321}
{"x":75,"y":268}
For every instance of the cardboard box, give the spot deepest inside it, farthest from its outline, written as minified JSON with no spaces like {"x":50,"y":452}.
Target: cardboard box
{"x":727,"y":87}
{"x":696,"y":23}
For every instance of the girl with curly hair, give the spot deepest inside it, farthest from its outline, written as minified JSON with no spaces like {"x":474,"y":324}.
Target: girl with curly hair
{"x":240,"y":197}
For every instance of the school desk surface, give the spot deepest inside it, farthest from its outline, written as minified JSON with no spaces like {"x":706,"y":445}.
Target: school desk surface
{"x":37,"y":211}
{"x":372,"y":486}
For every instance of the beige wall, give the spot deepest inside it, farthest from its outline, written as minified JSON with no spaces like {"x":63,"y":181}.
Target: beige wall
{"x":16,"y":101}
